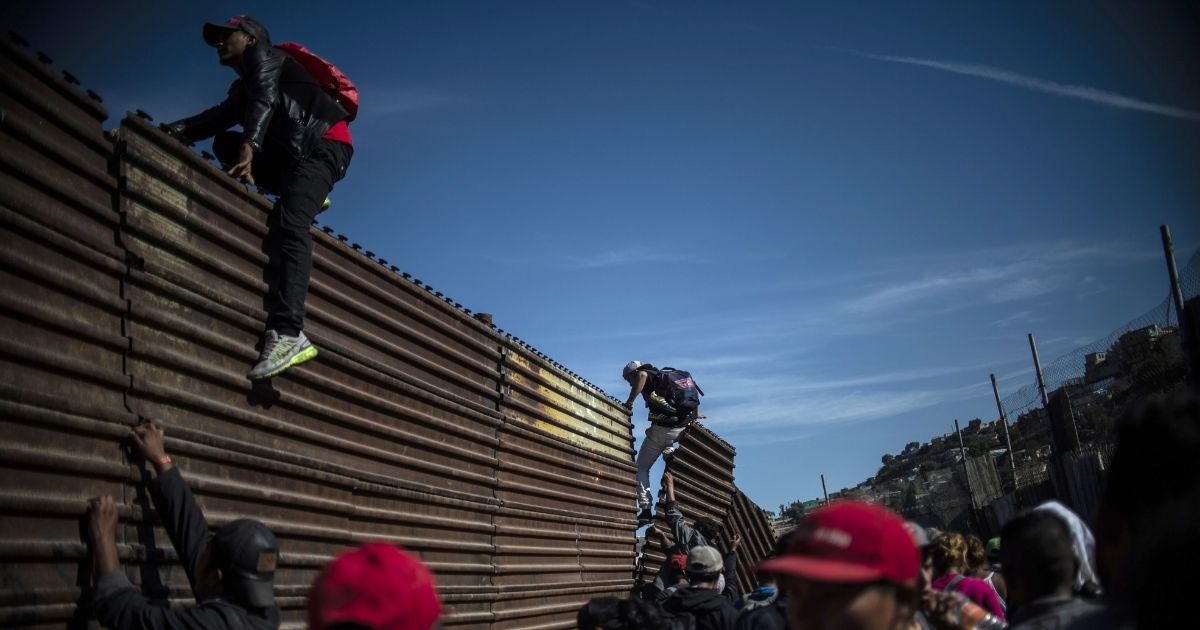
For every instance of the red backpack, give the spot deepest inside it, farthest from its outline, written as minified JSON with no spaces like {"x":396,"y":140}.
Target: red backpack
{"x":333,"y":81}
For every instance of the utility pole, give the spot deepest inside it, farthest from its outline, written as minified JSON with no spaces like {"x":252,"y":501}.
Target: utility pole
{"x":966,"y":471}
{"x":1173,"y":272}
{"x":823,"y":490}
{"x":1012,"y":457}
{"x":1037,"y":365}
{"x":1186,"y":328}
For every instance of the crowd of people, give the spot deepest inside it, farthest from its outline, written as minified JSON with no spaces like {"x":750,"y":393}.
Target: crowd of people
{"x":848,"y":564}
{"x":852,"y":564}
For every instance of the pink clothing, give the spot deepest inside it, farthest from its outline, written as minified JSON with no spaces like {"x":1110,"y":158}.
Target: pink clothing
{"x":975,"y":590}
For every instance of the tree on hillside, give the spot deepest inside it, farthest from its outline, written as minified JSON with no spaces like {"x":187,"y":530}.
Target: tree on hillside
{"x":792,"y":512}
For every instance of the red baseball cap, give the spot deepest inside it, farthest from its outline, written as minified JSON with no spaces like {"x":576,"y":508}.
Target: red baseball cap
{"x":850,"y":542}
{"x":678,"y":560}
{"x":379,"y":586}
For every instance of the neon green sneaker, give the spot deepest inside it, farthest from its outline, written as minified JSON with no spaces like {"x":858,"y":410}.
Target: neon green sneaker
{"x":325,"y":205}
{"x":279,"y":353}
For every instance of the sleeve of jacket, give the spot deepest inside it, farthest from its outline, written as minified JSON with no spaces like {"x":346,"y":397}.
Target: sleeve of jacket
{"x":684,"y":535}
{"x":261,"y":74}
{"x":732,"y":591}
{"x":213,"y":120}
{"x":182,"y":519}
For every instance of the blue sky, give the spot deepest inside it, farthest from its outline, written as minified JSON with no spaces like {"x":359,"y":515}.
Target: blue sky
{"x":841,"y":219}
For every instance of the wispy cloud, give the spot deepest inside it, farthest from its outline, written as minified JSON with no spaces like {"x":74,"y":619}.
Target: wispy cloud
{"x":1020,"y":317}
{"x":382,"y":102}
{"x":995,"y":276}
{"x":625,"y":257}
{"x":1079,"y":92}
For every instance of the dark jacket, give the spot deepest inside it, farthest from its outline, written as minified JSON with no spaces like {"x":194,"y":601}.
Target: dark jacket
{"x":121,"y":606}
{"x":685,"y":535}
{"x":710,"y":609}
{"x":771,"y":616}
{"x":275,"y":99}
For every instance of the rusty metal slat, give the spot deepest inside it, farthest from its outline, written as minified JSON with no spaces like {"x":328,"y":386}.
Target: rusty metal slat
{"x":703,"y":481}
{"x":64,"y":323}
{"x":29,"y":178}
{"x":557,"y":515}
{"x":611,"y":409}
{"x":554,"y":460}
{"x":91,"y":167}
{"x":526,"y":591}
{"x":410,"y":386}
{"x":533,"y":433}
{"x":507,"y":484}
{"x":185,"y":440}
{"x":54,"y":411}
{"x":560,"y":479}
{"x":549,"y":423}
{"x":178,"y":151}
{"x":62,"y":365}
{"x":315,"y":437}
{"x":347,"y":418}
{"x":45,"y":76}
{"x":719,"y":452}
{"x":529,"y":532}
{"x":252,"y":284}
{"x":108,"y":259}
{"x":523,"y":511}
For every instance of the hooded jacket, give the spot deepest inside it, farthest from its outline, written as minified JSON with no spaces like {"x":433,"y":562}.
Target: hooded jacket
{"x":274,"y":98}
{"x":710,"y":609}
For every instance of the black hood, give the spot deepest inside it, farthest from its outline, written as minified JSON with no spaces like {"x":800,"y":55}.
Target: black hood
{"x":695,"y":600}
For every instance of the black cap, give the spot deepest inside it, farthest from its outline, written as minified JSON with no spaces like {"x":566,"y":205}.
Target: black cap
{"x":215,"y":33}
{"x":247,"y":554}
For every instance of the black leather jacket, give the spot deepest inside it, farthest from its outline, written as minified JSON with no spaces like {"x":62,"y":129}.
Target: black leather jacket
{"x":275,"y":98}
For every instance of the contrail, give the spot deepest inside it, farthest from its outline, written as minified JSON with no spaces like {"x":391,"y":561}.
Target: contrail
{"x":1081,"y":92}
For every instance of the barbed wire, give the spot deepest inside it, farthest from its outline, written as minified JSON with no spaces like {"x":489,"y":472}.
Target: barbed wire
{"x":1071,"y":365}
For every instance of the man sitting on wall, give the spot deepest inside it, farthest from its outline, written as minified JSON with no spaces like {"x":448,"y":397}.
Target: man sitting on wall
{"x":231,"y":571}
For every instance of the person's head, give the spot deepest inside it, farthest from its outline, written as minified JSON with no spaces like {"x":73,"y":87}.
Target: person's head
{"x":631,"y":369}
{"x":234,"y":36}
{"x":677,"y":565}
{"x":976,"y":554}
{"x":993,"y":550}
{"x":704,"y":566}
{"x":239,"y":563}
{"x":850,"y":565}
{"x":709,"y":528}
{"x":378,"y":586}
{"x":611,"y":613}
{"x":924,"y":544}
{"x":1150,"y":512}
{"x":949,"y":553}
{"x":1037,"y":557}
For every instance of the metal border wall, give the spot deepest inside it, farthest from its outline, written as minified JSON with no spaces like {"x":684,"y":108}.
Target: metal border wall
{"x":133,"y":290}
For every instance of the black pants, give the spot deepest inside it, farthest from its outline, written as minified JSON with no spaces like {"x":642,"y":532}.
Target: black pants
{"x":301,"y":187}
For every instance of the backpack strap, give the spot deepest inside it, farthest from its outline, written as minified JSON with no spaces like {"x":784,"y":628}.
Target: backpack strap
{"x":953,"y":583}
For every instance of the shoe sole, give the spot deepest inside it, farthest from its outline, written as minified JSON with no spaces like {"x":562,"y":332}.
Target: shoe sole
{"x":303,"y":356}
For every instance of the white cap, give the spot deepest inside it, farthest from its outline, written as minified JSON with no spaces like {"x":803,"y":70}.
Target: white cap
{"x":630,"y":368}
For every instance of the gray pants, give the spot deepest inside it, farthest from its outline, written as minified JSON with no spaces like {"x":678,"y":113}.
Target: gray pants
{"x":658,"y":438}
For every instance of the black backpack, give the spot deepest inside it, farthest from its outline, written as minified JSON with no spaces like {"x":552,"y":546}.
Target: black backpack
{"x":679,"y":389}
